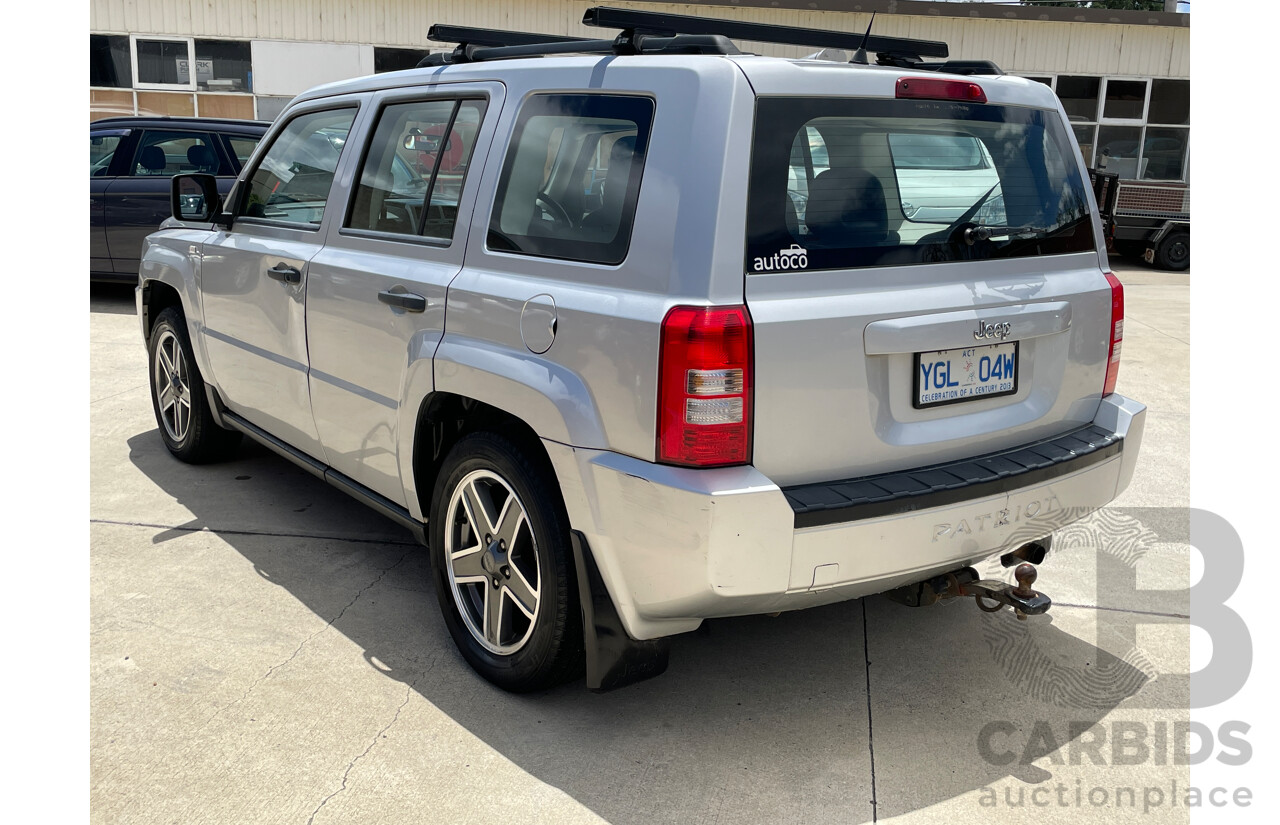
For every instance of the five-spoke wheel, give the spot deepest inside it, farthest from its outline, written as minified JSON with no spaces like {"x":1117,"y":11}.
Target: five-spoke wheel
{"x":493,"y":562}
{"x":178,"y":396}
{"x":172,"y":381}
{"x":503,"y":565}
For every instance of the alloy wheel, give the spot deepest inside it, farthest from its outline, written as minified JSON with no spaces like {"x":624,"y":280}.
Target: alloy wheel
{"x":492,"y":559}
{"x":172,"y":386}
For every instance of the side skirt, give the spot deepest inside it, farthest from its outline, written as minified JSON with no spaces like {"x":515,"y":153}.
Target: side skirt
{"x":319,"y":469}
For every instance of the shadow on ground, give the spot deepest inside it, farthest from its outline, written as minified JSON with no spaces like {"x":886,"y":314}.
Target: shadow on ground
{"x":771,"y":712}
{"x":114,"y":299}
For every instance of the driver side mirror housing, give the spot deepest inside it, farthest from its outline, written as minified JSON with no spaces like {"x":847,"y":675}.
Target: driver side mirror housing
{"x":194,"y":198}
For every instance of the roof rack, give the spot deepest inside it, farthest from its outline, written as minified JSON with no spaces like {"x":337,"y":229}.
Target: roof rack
{"x":653,"y":22}
{"x":647,"y":32}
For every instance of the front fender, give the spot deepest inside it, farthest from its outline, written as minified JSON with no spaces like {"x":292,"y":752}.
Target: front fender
{"x":172,"y":257}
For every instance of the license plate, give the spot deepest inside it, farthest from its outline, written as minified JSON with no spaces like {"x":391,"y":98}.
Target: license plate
{"x":953,"y":375}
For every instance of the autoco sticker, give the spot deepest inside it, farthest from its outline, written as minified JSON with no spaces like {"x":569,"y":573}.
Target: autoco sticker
{"x":793,"y":257}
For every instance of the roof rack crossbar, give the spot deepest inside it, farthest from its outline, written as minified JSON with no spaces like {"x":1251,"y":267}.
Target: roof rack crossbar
{"x":475,"y":45}
{"x":671,"y":24}
{"x":444,"y":33}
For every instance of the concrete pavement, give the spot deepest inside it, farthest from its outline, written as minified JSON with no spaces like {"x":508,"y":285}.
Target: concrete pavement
{"x":264,"y":649}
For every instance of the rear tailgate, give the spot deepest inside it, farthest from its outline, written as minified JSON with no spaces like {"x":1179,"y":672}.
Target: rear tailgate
{"x":923,"y":279}
{"x":836,"y":362}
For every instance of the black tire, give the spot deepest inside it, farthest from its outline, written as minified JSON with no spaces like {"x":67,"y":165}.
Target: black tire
{"x":1174,"y":252}
{"x":194,"y":436}
{"x":494,"y":467}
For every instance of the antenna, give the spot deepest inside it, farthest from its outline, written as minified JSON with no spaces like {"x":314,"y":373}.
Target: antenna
{"x":860,"y":56}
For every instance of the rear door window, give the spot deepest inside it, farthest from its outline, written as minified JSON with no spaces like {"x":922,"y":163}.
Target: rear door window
{"x":571,"y":177}
{"x":894,"y":182}
{"x":292,"y":181}
{"x":165,"y":154}
{"x":241,"y":148}
{"x":412,"y":176}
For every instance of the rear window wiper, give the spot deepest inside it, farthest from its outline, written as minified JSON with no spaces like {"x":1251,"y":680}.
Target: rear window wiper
{"x":982,"y":232}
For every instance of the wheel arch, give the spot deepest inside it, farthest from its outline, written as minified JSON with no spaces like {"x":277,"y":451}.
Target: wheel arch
{"x":442,"y":420}
{"x":157,"y":296}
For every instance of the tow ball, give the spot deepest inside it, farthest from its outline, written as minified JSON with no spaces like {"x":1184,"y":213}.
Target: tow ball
{"x":990,"y":595}
{"x":1024,"y":601}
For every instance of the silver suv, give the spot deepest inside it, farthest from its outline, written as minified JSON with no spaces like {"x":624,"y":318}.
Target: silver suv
{"x":654,"y":331}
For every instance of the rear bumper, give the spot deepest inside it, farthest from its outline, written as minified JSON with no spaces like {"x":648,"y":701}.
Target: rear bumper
{"x":675,"y":546}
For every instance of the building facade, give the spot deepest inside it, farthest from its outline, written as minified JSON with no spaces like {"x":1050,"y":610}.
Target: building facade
{"x":1123,"y":77}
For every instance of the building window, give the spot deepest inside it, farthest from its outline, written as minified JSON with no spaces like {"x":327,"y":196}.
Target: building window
{"x":223,"y":66}
{"x":1124,"y":100}
{"x":1139,"y":127}
{"x":1079,"y":96}
{"x":109,"y":61}
{"x":173,"y":63}
{"x":1170,"y":102}
{"x":162,"y":63}
{"x":1168,"y":134}
{"x":394,"y":60}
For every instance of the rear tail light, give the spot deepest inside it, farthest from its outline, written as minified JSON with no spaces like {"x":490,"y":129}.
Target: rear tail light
{"x":932,"y":88}
{"x":704,"y":387}
{"x":1117,"y":333}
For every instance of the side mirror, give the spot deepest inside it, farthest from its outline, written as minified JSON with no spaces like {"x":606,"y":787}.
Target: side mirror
{"x":195,"y":198}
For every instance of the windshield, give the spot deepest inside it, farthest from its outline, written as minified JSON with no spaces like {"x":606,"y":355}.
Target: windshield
{"x":843,"y":183}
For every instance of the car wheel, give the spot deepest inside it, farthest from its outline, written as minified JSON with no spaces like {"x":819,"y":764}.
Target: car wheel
{"x":178,"y":396}
{"x":1174,"y":252}
{"x":503,"y":564}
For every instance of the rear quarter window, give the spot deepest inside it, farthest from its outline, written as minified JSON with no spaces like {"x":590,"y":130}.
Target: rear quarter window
{"x":571,"y":177}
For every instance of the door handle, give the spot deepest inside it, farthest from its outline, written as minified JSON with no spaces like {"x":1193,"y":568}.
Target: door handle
{"x":283,"y":272}
{"x":404,"y":300}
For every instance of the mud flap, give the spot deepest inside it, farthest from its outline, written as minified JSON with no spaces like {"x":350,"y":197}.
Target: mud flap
{"x":614,"y":659}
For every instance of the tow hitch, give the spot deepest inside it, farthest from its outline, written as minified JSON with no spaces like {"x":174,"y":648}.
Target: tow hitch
{"x":990,"y":595}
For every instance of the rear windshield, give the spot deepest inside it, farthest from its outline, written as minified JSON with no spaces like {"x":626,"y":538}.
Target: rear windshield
{"x":843,"y":183}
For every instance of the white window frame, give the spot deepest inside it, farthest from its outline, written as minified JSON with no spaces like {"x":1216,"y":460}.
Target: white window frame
{"x":1099,"y":121}
{"x":1122,"y":121}
{"x":190,"y":86}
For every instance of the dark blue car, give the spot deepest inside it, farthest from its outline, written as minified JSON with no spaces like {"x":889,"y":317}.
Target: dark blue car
{"x":131,"y":162}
